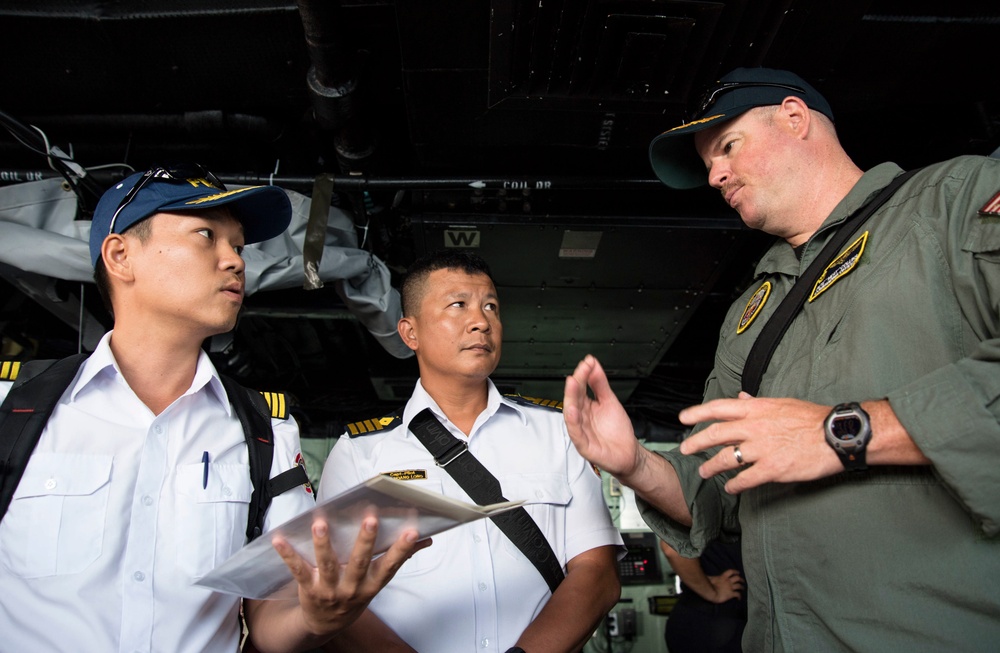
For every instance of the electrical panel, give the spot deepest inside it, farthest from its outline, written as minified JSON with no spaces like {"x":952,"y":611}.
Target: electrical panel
{"x":641,"y":565}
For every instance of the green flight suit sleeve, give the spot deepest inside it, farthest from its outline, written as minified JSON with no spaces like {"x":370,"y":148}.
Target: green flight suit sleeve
{"x":953,"y":413}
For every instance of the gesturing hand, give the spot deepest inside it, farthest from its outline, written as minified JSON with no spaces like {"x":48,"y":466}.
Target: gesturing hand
{"x":779,"y":440}
{"x":599,"y":427}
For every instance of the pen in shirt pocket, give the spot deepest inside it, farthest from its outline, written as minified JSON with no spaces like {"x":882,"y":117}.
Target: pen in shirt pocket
{"x":204,"y":473}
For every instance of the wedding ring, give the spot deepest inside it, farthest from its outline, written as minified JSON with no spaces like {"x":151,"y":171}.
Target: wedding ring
{"x":738,"y":454}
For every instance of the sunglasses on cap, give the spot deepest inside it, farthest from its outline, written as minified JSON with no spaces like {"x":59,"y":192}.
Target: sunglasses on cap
{"x":188,"y":172}
{"x":711,"y":95}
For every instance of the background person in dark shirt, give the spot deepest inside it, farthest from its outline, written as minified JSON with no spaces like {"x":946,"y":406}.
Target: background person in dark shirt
{"x":711,"y":612}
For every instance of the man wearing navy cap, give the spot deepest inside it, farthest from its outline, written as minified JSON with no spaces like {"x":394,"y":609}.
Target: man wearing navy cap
{"x":851,"y":437}
{"x":139,"y":484}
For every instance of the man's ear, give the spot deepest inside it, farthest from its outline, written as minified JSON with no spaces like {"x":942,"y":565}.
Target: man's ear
{"x":796,"y":115}
{"x":114,"y":251}
{"x":408,"y":332}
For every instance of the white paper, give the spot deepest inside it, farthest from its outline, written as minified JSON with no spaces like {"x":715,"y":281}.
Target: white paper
{"x":257,"y":571}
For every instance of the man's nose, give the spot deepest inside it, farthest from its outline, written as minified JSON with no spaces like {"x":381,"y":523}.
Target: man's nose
{"x":232,"y":260}
{"x":480,"y":321}
{"x":718,"y":174}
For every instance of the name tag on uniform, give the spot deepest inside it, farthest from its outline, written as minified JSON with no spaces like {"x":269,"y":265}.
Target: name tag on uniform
{"x":407,"y":474}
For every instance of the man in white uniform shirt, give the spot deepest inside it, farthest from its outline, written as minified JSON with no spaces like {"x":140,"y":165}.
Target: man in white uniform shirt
{"x":140,"y":481}
{"x":474,"y":589}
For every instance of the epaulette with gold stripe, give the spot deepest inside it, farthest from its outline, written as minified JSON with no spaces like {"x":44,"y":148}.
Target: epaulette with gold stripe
{"x":535,"y":401}
{"x":367,"y":426}
{"x":278,"y":404}
{"x":9,"y":370}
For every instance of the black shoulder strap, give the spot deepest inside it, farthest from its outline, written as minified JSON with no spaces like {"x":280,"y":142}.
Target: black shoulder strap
{"x":763,"y":348}
{"x":255,"y":416}
{"x":24,"y":413}
{"x":453,"y":455}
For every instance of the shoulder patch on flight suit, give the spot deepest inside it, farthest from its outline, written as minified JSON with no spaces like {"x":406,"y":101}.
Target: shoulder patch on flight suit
{"x":840,"y":267}
{"x":552,"y":404}
{"x":757,"y":301}
{"x":992,"y":208}
{"x":9,"y":370}
{"x":366,"y":426}
{"x":278,"y":404}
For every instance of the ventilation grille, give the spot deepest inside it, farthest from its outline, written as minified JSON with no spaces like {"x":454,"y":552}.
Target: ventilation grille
{"x":606,"y":49}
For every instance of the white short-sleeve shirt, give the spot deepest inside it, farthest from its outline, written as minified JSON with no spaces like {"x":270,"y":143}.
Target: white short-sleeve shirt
{"x":472,"y":589}
{"x":114,"y":520}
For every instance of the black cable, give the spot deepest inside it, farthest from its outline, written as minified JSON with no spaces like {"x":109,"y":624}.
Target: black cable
{"x":88,"y":192}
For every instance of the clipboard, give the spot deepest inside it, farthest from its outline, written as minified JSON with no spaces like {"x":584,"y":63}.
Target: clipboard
{"x":257,"y":571}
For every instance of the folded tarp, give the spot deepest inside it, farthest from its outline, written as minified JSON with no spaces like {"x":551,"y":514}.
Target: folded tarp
{"x":39,"y":234}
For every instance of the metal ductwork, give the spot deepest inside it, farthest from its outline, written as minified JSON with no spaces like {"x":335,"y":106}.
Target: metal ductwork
{"x":333,"y":81}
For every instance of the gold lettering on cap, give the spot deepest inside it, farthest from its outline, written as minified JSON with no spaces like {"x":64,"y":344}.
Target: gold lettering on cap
{"x":219,"y":196}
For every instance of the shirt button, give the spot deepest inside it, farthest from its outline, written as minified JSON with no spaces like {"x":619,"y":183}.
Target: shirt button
{"x":485,"y":643}
{"x":477,"y":539}
{"x":139,"y":576}
{"x":227,"y":491}
{"x":147,"y":500}
{"x":158,"y":430}
{"x":482,"y":587}
{"x":51,"y":484}
{"x":539,"y":494}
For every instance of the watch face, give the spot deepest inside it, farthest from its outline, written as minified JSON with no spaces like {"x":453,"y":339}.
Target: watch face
{"x":848,"y":431}
{"x":846,"y":428}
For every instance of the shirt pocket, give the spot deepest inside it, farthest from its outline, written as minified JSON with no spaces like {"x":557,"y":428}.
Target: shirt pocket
{"x":56,"y":523}
{"x":431,"y":558}
{"x":212,"y":513}
{"x":983,"y":240}
{"x":546,"y":498}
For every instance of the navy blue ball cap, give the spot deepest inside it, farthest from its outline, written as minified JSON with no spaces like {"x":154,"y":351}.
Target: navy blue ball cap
{"x":672,"y":153}
{"x":264,"y":211}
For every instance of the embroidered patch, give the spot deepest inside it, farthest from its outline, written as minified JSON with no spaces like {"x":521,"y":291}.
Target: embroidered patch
{"x":407,"y":474}
{"x":840,"y":266}
{"x":301,"y":462}
{"x":757,"y":301}
{"x":992,"y":208}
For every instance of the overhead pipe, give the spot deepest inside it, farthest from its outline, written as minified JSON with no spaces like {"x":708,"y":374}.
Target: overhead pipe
{"x":332,"y":80}
{"x":347,"y":183}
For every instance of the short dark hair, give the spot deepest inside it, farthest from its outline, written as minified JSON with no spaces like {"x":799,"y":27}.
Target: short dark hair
{"x":412,"y":289}
{"x":141,"y":230}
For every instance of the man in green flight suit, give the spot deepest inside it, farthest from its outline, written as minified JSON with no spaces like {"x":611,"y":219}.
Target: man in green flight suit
{"x":861,"y":473}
